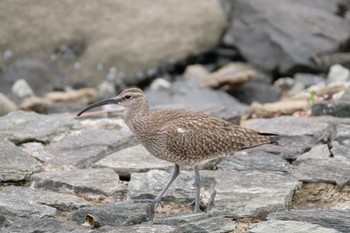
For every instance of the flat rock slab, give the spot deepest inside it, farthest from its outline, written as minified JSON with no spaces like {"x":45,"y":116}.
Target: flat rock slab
{"x":15,"y":164}
{"x":116,"y":214}
{"x":341,"y":142}
{"x":94,"y":182}
{"x":20,"y":126}
{"x":317,"y":166}
{"x":252,"y":193}
{"x":249,"y":160}
{"x":84,"y":146}
{"x":25,"y":225}
{"x":333,"y":219}
{"x":131,"y":160}
{"x":291,"y":126}
{"x":276,"y":226}
{"x":12,"y":207}
{"x":148,"y":185}
{"x":60,"y":201}
{"x":298,"y":134}
{"x":198,"y":223}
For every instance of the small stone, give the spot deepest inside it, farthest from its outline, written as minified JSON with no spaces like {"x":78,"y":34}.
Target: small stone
{"x":196,"y":72}
{"x":159,"y":84}
{"x":116,"y":214}
{"x":276,"y":226}
{"x":22,"y":89}
{"x":338,"y":73}
{"x":92,"y":182}
{"x":8,"y":54}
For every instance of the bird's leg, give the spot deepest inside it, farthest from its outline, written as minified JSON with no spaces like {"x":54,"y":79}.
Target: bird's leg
{"x":197,"y":183}
{"x":157,"y":200}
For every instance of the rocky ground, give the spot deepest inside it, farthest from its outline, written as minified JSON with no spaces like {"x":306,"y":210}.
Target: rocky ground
{"x":62,"y":174}
{"x":274,"y":66}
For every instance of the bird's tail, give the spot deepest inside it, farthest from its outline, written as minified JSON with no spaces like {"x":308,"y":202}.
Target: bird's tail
{"x":274,"y":138}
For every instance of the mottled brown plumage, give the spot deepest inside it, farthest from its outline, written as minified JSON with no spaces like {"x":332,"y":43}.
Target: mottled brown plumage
{"x":183,"y":137}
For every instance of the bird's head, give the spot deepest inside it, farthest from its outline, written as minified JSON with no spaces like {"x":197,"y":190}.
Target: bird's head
{"x":128,"y":98}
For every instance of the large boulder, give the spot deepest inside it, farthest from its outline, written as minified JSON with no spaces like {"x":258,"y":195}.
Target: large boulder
{"x":86,"y":38}
{"x":284,"y":35}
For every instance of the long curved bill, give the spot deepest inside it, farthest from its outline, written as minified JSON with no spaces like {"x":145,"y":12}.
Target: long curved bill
{"x":97,"y":104}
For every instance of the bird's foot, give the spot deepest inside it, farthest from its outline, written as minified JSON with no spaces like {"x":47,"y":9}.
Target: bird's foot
{"x":155,"y":203}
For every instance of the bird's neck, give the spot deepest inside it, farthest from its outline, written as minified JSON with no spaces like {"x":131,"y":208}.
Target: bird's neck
{"x":136,"y":114}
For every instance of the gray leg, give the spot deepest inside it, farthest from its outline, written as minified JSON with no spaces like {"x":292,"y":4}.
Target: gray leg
{"x":197,"y":183}
{"x":157,"y":200}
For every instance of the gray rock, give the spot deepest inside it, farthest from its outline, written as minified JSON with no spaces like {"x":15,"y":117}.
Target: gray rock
{"x":333,"y":219}
{"x":144,"y":228}
{"x":82,"y":148}
{"x":278,"y":38}
{"x":249,"y":160}
{"x":15,"y":165}
{"x":131,"y":160}
{"x":308,"y":79}
{"x":60,"y":201}
{"x":317,"y":166}
{"x":276,"y":226}
{"x":291,"y":126}
{"x":20,"y":126}
{"x":198,"y":223}
{"x":91,"y":182}
{"x":341,"y":142}
{"x":42,"y":77}
{"x":252,"y":193}
{"x":12,"y":207}
{"x":116,"y":214}
{"x":148,"y":185}
{"x":42,"y":225}
{"x":3,"y":222}
{"x":298,"y":134}
{"x":257,"y":91}
{"x":340,"y":108}
{"x":198,"y":25}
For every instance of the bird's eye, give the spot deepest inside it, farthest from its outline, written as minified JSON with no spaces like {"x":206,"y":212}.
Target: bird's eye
{"x":128,"y":97}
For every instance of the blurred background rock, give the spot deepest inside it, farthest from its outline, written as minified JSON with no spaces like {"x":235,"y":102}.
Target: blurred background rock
{"x":240,"y":47}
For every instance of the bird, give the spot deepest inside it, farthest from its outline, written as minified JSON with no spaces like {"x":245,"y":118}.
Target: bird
{"x":181,"y":136}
